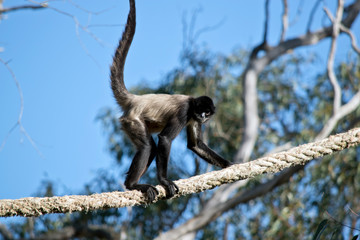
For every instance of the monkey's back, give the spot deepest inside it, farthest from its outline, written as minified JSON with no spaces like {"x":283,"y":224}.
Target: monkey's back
{"x":154,"y":110}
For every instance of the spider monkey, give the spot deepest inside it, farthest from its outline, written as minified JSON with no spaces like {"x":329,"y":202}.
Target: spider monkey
{"x":153,"y":113}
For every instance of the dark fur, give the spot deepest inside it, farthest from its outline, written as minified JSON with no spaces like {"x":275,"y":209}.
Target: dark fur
{"x":151,"y":113}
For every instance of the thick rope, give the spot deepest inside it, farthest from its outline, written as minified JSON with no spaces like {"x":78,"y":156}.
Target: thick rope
{"x":273,"y":163}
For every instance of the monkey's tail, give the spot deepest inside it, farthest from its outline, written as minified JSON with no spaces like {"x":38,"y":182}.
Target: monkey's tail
{"x":120,"y":92}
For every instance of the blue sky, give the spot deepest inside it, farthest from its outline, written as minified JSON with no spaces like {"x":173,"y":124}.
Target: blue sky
{"x":64,"y":88}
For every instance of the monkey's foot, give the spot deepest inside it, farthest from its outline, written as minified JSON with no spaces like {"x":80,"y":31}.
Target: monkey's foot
{"x":150,"y":191}
{"x":170,"y":187}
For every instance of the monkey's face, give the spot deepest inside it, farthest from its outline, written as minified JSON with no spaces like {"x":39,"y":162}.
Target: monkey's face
{"x":203,"y":117}
{"x":204,"y":109}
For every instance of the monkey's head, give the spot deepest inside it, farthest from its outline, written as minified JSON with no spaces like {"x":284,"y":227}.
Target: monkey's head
{"x":203,"y":109}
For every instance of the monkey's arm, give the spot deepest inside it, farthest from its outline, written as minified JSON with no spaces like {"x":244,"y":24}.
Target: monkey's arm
{"x":196,"y":144}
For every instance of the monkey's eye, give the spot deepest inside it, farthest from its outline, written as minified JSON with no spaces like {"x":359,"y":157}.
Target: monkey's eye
{"x":205,"y":114}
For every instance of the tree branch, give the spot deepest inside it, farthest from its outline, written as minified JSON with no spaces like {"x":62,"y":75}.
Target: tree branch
{"x":346,"y":30}
{"x":271,"y":164}
{"x":19,"y":120}
{"x":342,"y":112}
{"x":312,"y":14}
{"x":23,"y":7}
{"x":352,"y":37}
{"x":285,"y":21}
{"x":330,"y":63}
{"x":266,"y":22}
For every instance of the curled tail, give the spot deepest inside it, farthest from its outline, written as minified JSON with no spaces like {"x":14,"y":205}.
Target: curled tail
{"x":120,"y":92}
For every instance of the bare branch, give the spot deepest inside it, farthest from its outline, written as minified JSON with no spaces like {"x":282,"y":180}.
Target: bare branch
{"x":263,"y":45}
{"x":298,"y":13}
{"x":285,"y":21}
{"x":266,"y":22}
{"x":339,"y":111}
{"x":18,"y":122}
{"x":24,"y":7}
{"x":330,"y":63}
{"x":190,"y":36}
{"x":346,"y":30}
{"x":312,"y":14}
{"x":344,"y":110}
{"x":352,"y":37}
{"x":88,"y":11}
{"x":198,"y":33}
{"x":77,"y":26}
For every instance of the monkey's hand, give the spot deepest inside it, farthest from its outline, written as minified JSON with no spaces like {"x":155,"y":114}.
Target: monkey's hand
{"x":170,"y":187}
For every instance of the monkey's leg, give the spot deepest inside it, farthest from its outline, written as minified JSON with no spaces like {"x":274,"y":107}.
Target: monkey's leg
{"x":153,"y":153}
{"x":167,"y":135}
{"x":144,"y":144}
